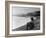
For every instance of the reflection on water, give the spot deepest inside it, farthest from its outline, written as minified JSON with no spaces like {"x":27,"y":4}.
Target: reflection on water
{"x":19,"y":21}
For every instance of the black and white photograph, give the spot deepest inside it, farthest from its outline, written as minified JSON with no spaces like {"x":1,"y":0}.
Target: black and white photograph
{"x":25,"y":18}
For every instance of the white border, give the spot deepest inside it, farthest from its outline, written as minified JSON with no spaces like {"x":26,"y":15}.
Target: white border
{"x":31,"y":31}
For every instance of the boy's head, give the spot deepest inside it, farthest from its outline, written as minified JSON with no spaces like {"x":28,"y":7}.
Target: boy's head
{"x":32,"y":18}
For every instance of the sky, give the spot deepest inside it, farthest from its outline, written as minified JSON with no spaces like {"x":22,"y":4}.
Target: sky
{"x":24,"y":10}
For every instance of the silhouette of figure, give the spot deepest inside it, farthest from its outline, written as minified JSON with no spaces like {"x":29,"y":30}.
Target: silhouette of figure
{"x":30,"y":25}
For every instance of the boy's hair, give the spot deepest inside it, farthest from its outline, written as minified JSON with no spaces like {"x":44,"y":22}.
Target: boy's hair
{"x":32,"y":18}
